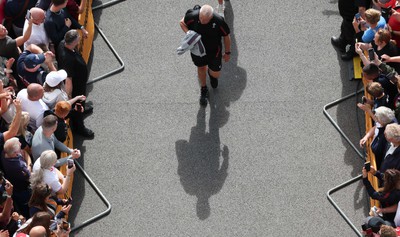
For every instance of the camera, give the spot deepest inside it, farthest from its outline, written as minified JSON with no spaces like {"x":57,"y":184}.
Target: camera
{"x":65,"y":225}
{"x":69,"y":201}
{"x":363,"y":100}
{"x":70,"y":163}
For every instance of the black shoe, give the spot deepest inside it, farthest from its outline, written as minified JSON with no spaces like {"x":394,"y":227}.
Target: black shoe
{"x":347,"y":56}
{"x":203,"y":96}
{"x":214,"y":82}
{"x":85,"y":132}
{"x":88,"y":109}
{"x":338,"y":43}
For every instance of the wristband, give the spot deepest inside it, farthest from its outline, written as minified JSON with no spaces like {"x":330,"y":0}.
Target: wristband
{"x":228,"y":53}
{"x":6,"y":70}
{"x":8,"y":196}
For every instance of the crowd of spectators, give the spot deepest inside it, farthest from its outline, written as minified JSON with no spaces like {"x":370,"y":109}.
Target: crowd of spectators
{"x":42,"y":83}
{"x":371,"y":29}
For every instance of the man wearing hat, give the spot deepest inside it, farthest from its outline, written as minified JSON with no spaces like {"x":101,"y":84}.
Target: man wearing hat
{"x":29,"y":66}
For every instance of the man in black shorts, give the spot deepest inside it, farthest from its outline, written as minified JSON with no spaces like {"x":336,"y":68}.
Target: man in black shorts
{"x":212,"y":28}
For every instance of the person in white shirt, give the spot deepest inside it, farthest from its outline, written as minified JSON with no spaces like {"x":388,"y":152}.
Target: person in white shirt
{"x":38,"y":35}
{"x":31,"y":100}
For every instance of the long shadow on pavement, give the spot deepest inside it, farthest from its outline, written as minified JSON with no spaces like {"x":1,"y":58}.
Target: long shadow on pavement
{"x":199,"y":168}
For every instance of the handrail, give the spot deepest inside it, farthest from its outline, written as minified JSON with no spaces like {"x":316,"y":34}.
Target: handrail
{"x":122,"y":64}
{"x":99,"y":193}
{"x":337,"y":188}
{"x":330,"y":105}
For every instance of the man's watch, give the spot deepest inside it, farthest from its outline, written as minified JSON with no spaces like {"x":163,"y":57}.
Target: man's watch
{"x":228,"y":53}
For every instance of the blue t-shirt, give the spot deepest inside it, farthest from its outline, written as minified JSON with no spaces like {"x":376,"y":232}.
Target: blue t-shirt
{"x":369,"y":34}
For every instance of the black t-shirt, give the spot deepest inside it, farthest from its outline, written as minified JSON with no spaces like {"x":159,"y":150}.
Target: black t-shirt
{"x":211,"y":32}
{"x":76,"y":68}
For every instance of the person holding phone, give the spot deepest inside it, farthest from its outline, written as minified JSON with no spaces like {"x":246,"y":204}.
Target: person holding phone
{"x":390,"y":193}
{"x":348,"y":9}
{"x":44,"y":171}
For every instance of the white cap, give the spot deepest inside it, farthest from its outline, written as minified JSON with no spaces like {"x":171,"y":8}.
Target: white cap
{"x":55,"y":77}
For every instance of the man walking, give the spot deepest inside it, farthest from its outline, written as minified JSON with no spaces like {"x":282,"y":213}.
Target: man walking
{"x":212,"y":28}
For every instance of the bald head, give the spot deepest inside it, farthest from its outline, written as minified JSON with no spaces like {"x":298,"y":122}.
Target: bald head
{"x":206,"y":14}
{"x":37,"y":231}
{"x":37,"y":15}
{"x":35,"y":92}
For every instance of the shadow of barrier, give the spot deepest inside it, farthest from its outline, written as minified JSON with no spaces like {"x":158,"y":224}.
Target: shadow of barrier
{"x":79,"y":167}
{"x":353,"y":180}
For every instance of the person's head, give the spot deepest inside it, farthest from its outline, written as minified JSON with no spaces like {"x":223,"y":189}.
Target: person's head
{"x":49,"y":124}
{"x":12,"y":147}
{"x":384,"y":115}
{"x":39,"y":219}
{"x":54,"y":78}
{"x":375,"y":89}
{"x":59,"y":3}
{"x":206,"y":14}
{"x":392,"y":133}
{"x":48,"y":159}
{"x":3,"y":32}
{"x":382,"y":36}
{"x":38,"y":231}
{"x":40,"y":195}
{"x":35,"y":91}
{"x":372,"y":16}
{"x":23,"y":125}
{"x":62,"y":109}
{"x":371,"y":71}
{"x":37,"y":15}
{"x":391,"y":180}
{"x":71,"y":38}
{"x":33,"y":61}
{"x":387,"y":231}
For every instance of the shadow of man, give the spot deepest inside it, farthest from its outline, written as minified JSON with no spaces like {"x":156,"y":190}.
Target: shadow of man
{"x":202,"y":160}
{"x":199,"y":168}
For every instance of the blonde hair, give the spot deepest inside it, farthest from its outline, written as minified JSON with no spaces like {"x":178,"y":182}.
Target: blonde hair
{"x":372,"y":16}
{"x":47,"y":160}
{"x":23,"y":125}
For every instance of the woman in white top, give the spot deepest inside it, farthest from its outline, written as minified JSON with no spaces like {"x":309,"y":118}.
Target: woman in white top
{"x":44,"y":171}
{"x":54,"y":89}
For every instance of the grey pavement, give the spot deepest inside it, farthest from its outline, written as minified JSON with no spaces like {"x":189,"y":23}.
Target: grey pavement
{"x":257,"y":161}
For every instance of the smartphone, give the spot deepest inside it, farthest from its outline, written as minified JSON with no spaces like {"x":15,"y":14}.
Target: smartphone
{"x":70,"y":163}
{"x":28,"y":15}
{"x":358,"y":16}
{"x":363,"y":100}
{"x":367,"y":166}
{"x":371,"y":54}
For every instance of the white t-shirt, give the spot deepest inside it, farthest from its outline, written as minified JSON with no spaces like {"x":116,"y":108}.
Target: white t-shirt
{"x":50,"y":177}
{"x":34,"y":108}
{"x":38,"y":35}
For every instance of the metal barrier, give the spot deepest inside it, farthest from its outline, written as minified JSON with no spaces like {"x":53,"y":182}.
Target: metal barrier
{"x":86,"y":176}
{"x":122,"y":64}
{"x":353,"y":180}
